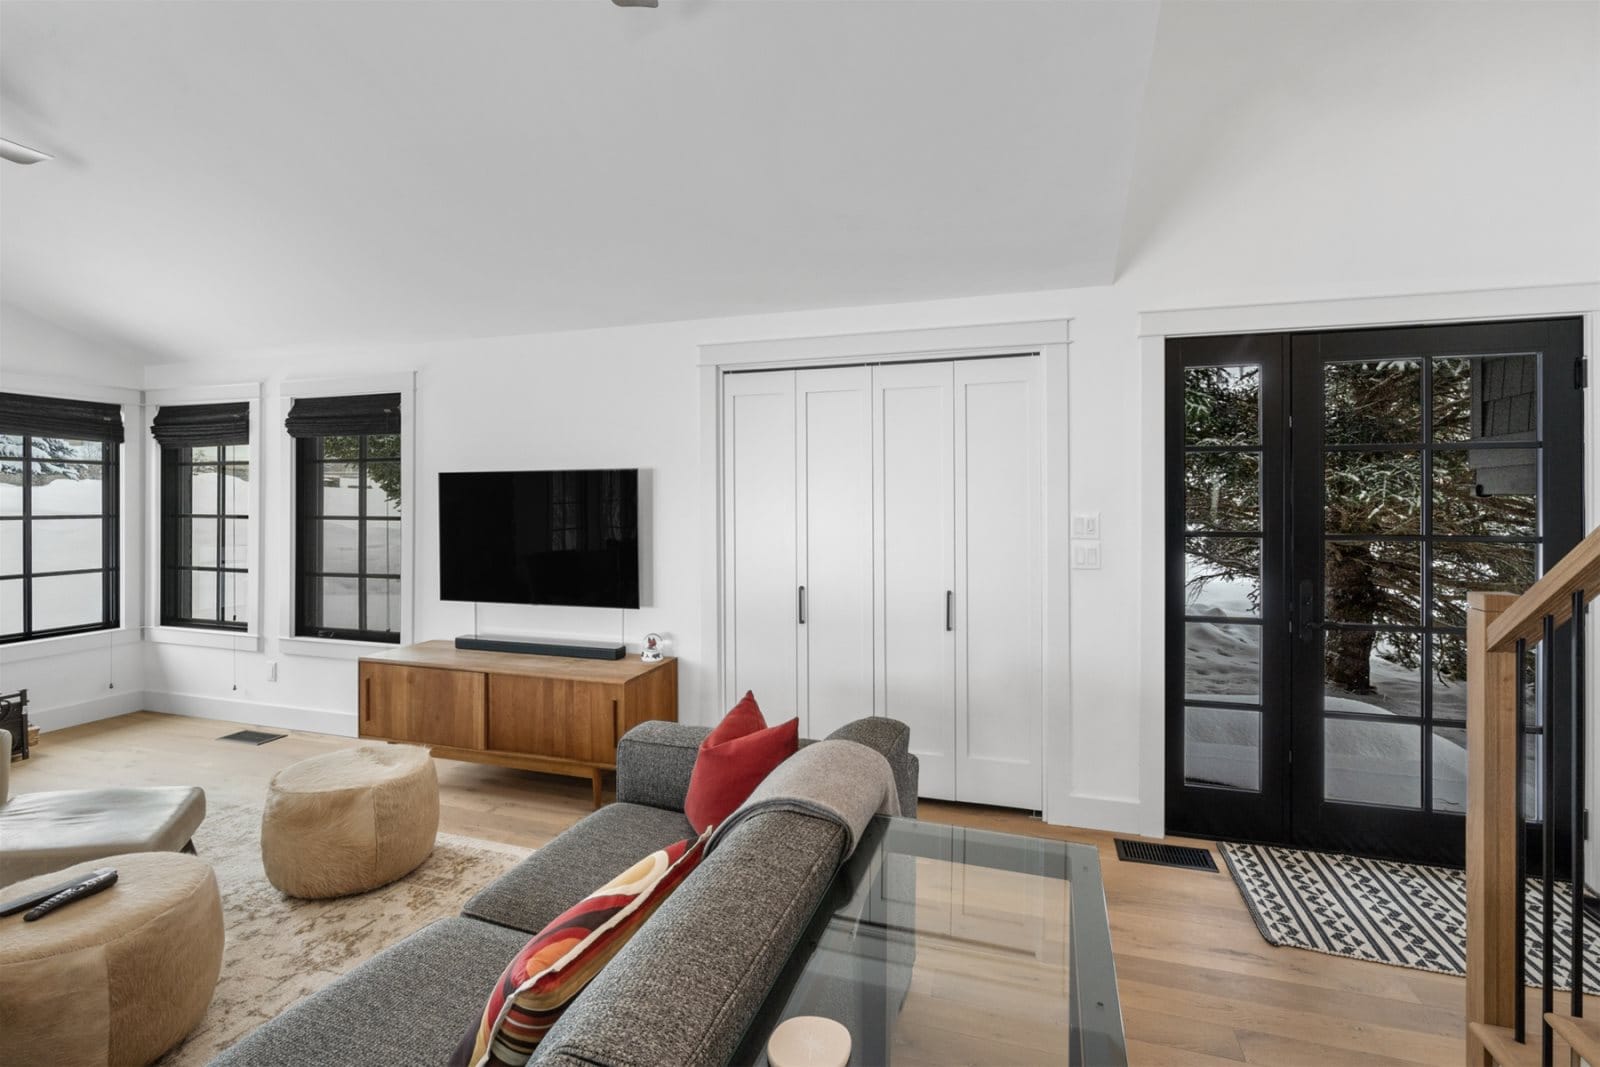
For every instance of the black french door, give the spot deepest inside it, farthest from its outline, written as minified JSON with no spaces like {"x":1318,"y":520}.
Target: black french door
{"x":1332,"y":498}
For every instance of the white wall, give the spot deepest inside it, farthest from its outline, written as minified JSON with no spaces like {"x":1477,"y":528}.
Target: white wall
{"x":1288,"y":153}
{"x":92,"y":676}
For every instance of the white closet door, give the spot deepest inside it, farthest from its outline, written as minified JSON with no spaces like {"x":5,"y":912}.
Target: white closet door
{"x":915,"y":562}
{"x":760,"y":642}
{"x":834,"y":416}
{"x":999,"y":610}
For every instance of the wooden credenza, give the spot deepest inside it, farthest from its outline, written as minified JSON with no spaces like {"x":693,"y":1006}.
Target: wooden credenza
{"x":540,"y":713}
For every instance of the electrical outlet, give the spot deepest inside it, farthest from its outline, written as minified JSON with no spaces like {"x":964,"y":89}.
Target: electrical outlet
{"x":1086,"y":524}
{"x":1086,"y":555}
{"x":272,"y":670}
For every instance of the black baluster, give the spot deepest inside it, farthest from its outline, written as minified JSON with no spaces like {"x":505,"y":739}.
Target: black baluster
{"x":1577,"y":803}
{"x":1520,"y":971}
{"x":1547,"y":996}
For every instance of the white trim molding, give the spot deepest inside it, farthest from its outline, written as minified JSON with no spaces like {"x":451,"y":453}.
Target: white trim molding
{"x":946,"y":342}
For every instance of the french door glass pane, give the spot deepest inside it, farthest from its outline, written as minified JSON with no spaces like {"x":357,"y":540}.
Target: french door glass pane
{"x":1485,"y":396}
{"x":1375,"y":402}
{"x":1449,"y":769}
{"x":1486,"y":492}
{"x":1449,"y":682}
{"x":1222,"y":405}
{"x":1222,"y":491}
{"x":1222,"y":576}
{"x":1462,"y":566}
{"x":1376,"y":673}
{"x":1371,"y":762}
{"x":1222,"y":747}
{"x":67,"y":600}
{"x":1373,"y":582}
{"x":1372,"y":493}
{"x":1222,"y":661}
{"x":67,"y":544}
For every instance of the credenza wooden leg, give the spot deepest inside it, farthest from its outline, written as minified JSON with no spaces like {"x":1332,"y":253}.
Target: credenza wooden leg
{"x":598,"y":777}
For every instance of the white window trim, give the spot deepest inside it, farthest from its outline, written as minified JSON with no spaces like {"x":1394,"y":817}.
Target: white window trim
{"x":200,"y":636}
{"x":404,"y":383}
{"x":130,"y":533}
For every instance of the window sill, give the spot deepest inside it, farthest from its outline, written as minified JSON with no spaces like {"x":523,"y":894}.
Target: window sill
{"x":332,"y":647}
{"x":200,"y":637}
{"x":67,"y":644}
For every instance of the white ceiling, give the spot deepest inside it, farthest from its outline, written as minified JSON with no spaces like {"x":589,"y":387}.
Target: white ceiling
{"x":234,"y":177}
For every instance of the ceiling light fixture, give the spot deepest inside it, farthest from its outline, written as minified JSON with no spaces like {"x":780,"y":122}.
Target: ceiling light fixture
{"x":21,"y":153}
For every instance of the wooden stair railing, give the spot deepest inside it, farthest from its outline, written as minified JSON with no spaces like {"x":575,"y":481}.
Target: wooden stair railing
{"x":1501,"y":628}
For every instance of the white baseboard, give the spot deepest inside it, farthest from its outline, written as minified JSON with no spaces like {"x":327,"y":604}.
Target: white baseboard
{"x":115,"y":702}
{"x":1113,"y":814}
{"x":281,"y":716}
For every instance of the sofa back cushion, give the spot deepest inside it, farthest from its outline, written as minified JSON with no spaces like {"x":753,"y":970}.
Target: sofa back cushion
{"x":685,"y":987}
{"x":560,"y":960}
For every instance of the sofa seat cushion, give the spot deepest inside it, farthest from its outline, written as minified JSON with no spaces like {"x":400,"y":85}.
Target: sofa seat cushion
{"x":406,"y":1005}
{"x":584,"y":858}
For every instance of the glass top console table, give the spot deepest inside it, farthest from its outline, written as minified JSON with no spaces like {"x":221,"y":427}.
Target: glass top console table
{"x":940,"y":945}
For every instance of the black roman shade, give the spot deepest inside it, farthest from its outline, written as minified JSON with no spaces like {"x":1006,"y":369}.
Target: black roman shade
{"x":51,"y":416}
{"x":344,"y":416}
{"x":202,"y":424}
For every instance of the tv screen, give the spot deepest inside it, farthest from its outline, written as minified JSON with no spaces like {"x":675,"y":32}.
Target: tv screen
{"x":540,"y":537}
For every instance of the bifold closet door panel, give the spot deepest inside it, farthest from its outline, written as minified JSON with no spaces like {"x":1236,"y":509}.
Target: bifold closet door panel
{"x":834,"y":417}
{"x":914,"y":506}
{"x":999,"y":606}
{"x":760,"y":613}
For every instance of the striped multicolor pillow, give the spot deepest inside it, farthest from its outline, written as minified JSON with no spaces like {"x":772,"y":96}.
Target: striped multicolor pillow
{"x":560,"y":960}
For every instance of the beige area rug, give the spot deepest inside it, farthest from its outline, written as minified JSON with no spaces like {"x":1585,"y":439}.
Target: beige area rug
{"x":279,"y":949}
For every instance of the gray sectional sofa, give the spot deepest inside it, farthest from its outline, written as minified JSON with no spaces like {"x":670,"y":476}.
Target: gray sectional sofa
{"x":684,"y":988}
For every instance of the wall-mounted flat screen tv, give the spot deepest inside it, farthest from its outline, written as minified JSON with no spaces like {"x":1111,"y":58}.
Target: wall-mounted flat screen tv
{"x":540,"y":537}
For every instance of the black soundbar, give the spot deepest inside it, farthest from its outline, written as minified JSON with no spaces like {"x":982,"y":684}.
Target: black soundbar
{"x":541,"y":646}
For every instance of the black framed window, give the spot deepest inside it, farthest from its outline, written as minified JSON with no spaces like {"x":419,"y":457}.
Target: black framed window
{"x":205,"y":514}
{"x":347,"y":517}
{"x":59,"y":535}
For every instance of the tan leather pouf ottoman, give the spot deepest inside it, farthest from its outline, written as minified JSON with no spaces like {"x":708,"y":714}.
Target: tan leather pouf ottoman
{"x":350,"y":821}
{"x":118,"y":978}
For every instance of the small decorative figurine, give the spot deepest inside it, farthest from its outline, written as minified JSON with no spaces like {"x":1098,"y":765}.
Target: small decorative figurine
{"x":652,"y":648}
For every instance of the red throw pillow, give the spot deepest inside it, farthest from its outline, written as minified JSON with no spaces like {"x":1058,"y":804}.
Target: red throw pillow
{"x":733,"y":760}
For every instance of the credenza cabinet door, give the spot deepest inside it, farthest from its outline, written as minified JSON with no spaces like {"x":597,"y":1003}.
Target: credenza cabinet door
{"x":761,"y":560}
{"x":422,"y":704}
{"x":833,"y":417}
{"x":914,"y":505}
{"x":999,"y":612}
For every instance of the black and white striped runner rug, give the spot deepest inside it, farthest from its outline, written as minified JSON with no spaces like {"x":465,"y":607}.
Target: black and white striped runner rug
{"x":1398,"y":913}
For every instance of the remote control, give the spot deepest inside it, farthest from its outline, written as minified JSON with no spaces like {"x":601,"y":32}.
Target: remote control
{"x":11,"y":907}
{"x":102,"y":879}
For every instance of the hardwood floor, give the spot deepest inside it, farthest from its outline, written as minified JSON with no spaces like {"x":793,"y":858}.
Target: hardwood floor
{"x":1198,"y":984}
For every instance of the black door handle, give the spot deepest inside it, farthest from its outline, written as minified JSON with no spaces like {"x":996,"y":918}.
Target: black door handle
{"x":1306,"y":612}
{"x":800,"y":604}
{"x":949,"y":609}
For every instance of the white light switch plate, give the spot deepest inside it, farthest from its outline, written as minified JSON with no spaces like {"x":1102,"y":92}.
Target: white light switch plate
{"x":1086,"y":555}
{"x":1086,"y":524}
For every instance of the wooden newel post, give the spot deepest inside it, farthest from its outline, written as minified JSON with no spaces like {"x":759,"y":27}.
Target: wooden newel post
{"x":1493,"y":749}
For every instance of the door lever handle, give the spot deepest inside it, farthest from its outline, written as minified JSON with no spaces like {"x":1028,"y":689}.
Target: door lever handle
{"x":1306,"y":620}
{"x":800,"y":604}
{"x":949,"y":610}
